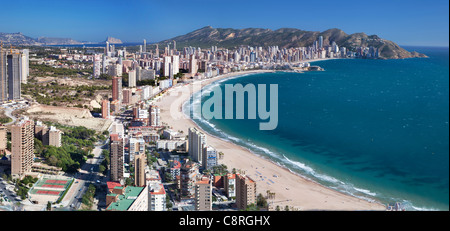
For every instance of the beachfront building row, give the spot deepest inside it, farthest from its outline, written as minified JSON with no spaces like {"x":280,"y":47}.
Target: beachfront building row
{"x":197,"y":140}
{"x":199,"y":151}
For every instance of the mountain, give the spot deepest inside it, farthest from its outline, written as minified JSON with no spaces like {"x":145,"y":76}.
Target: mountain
{"x":287,"y":38}
{"x":18,"y":39}
{"x":112,"y":40}
{"x":57,"y":41}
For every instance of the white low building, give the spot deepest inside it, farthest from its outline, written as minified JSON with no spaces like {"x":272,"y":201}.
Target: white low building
{"x":171,"y":145}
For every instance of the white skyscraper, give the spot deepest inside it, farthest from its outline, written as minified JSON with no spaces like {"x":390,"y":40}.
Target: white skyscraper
{"x":320,"y":42}
{"x":144,"y":49}
{"x":24,"y":65}
{"x":132,"y":78}
{"x":176,"y":64}
{"x":97,"y":66}
{"x":197,"y":141}
{"x":154,"y":116}
{"x":107,"y":49}
{"x":167,"y":61}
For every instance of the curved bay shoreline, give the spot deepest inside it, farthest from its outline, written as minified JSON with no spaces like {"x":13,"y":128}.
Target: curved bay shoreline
{"x":290,"y":188}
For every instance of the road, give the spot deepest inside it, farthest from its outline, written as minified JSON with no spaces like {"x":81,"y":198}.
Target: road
{"x":8,"y":112}
{"x":87,"y":174}
{"x":6,"y":193}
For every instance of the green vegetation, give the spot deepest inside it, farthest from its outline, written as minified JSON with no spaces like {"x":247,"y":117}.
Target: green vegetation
{"x":261,"y":204}
{"x":77,"y":144}
{"x":179,"y":75}
{"x":5,"y":120}
{"x":88,"y":197}
{"x":125,"y":80}
{"x":220,"y":169}
{"x":52,"y":93}
{"x":103,"y":168}
{"x":105,"y":76}
{"x":65,"y":192}
{"x":261,"y":201}
{"x":67,"y":157}
{"x":151,"y":159}
{"x":129,"y":181}
{"x":44,"y":70}
{"x":6,"y":177}
{"x":22,"y":186}
{"x":150,"y":82}
{"x":169,"y":204}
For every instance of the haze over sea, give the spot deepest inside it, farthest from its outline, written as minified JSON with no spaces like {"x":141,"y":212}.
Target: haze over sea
{"x":375,"y":129}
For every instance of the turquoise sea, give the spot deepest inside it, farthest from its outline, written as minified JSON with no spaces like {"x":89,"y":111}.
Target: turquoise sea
{"x":375,"y":129}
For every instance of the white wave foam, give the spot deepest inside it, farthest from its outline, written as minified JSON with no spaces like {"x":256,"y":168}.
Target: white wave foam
{"x":408,"y":206}
{"x":335,"y":183}
{"x":282,"y":160}
{"x":365,"y":191}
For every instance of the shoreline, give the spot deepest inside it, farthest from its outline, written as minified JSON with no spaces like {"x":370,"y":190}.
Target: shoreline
{"x":291,"y":188}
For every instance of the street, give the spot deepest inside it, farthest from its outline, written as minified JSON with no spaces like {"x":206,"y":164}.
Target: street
{"x":88,"y":174}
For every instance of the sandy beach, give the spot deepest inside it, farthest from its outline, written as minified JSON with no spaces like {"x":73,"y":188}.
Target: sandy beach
{"x":289,"y":188}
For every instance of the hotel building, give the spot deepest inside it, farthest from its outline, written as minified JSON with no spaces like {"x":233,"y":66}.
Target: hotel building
{"x":157,"y":197}
{"x":245,"y":191}
{"x":3,"y":77}
{"x":154,"y":116}
{"x":117,"y":88}
{"x":22,"y":148}
{"x":203,"y":195}
{"x":188,"y":177}
{"x":196,"y":141}
{"x":105,"y":109}
{"x":54,"y":137}
{"x":14,"y":77}
{"x":116,"y":152}
{"x":209,"y":157}
{"x":139,"y":170}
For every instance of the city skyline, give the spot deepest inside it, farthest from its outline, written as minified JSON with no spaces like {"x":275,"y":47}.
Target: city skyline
{"x":406,"y":23}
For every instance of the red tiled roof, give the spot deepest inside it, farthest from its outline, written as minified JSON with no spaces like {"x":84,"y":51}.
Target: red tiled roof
{"x":160,"y":192}
{"x":112,"y":184}
{"x":114,"y":137}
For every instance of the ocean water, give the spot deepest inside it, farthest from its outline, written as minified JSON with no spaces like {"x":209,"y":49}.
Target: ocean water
{"x":374,"y":129}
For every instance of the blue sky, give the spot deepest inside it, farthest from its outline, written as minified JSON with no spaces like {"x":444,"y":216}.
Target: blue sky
{"x":410,"y":22}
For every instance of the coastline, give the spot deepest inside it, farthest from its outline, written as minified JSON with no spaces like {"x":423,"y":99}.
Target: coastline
{"x":290,"y":188}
